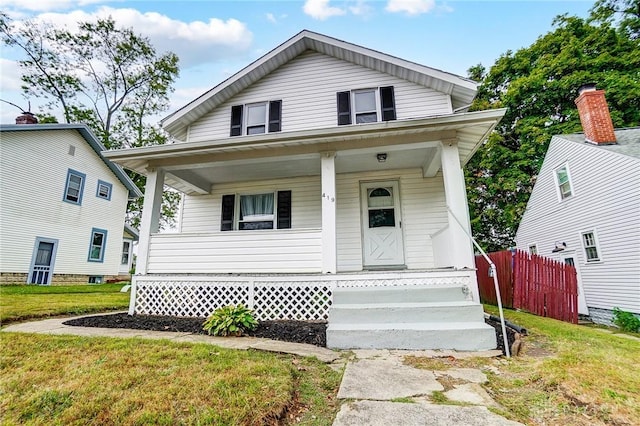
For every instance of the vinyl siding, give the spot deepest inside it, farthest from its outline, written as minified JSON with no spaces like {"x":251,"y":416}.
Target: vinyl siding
{"x":307,"y":86}
{"x":33,"y":172}
{"x":606,"y":200}
{"x":422,"y":208}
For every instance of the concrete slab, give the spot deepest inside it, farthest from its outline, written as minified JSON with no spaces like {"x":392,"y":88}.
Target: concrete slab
{"x":381,"y":413}
{"x":472,"y":375}
{"x":385,"y":380}
{"x":471,"y":393}
{"x":324,"y":355}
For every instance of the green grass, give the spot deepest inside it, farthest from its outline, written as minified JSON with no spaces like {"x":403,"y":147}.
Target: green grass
{"x":22,"y":302}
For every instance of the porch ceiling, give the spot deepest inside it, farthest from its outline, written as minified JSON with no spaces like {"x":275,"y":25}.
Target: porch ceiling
{"x":192,"y":167}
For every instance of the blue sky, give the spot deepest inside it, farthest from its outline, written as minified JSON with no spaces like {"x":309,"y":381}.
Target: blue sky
{"x":214,"y":39}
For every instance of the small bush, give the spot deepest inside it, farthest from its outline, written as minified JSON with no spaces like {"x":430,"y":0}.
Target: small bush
{"x":230,"y":320}
{"x":626,"y":320}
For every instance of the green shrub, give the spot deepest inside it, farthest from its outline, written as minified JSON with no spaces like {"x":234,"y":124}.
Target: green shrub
{"x":626,"y":320}
{"x":230,"y":320}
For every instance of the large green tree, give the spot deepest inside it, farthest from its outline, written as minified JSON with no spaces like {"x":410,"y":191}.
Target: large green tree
{"x":538,"y":86}
{"x":105,"y":76}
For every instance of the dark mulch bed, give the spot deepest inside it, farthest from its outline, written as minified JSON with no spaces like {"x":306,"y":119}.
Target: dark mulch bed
{"x":310,"y":332}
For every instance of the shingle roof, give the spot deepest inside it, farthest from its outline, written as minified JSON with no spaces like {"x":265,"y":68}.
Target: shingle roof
{"x":628,"y":141}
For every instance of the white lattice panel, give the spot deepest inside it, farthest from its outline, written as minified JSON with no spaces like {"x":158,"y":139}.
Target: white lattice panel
{"x":310,"y":301}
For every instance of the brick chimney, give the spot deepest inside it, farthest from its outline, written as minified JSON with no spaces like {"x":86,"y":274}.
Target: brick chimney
{"x":26,"y":118}
{"x":594,"y":115}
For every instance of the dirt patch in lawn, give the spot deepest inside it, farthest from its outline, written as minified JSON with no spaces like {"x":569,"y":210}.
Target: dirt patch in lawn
{"x":310,"y":332}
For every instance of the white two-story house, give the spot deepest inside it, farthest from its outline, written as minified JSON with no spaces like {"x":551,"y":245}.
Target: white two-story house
{"x":62,"y":206}
{"x":319,"y":168}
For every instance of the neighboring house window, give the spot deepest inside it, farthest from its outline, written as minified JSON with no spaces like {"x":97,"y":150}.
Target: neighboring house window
{"x":126,"y":245}
{"x":104,"y":190}
{"x":256,"y":211}
{"x":256,"y":118}
{"x":74,"y":187}
{"x":533,"y":249}
{"x":563,"y":181}
{"x":97,"y":245}
{"x":590,"y":245}
{"x":366,"y":106}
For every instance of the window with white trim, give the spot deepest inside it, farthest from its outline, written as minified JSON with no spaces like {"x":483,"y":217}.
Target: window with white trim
{"x":74,"y":187}
{"x":271,"y":210}
{"x":256,"y":118}
{"x":563,"y":182}
{"x":97,"y":245}
{"x":590,"y":244}
{"x":104,"y":190}
{"x":126,"y":246}
{"x":366,"y":105}
{"x":533,"y":249}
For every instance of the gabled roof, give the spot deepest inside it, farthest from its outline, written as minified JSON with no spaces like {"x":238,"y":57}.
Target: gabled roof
{"x":627,"y":142}
{"x":132,"y":231}
{"x":462,"y":90}
{"x":91,"y":139}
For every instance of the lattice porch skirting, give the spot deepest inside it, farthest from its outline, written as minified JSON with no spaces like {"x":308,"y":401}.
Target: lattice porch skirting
{"x":298,"y":297}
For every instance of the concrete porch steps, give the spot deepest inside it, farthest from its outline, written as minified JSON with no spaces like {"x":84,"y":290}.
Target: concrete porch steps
{"x":407,"y":317}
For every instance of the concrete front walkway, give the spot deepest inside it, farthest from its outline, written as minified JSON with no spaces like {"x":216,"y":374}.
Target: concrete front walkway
{"x":377,"y":387}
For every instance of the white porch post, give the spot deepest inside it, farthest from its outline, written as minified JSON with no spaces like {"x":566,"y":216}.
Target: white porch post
{"x":456,"y":195}
{"x":150,"y":222}
{"x":329,"y":243}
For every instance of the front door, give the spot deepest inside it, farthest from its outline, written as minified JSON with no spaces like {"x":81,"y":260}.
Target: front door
{"x":44,"y":254}
{"x":381,"y":224}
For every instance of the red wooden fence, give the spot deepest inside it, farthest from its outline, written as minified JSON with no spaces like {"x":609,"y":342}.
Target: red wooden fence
{"x":533,"y":283}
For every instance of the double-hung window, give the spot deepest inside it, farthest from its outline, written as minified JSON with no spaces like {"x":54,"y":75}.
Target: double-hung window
{"x":590,"y":244}
{"x":74,"y":187}
{"x":104,"y":190}
{"x":256,"y":118}
{"x":244,"y":212}
{"x":563,"y":180}
{"x":366,"y":105}
{"x":126,"y":245}
{"x":97,"y":245}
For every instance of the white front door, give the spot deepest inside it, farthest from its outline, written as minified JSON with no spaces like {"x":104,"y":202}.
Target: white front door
{"x":381,"y":224}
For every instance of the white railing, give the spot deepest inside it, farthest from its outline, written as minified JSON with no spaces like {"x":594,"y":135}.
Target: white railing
{"x":298,"y":297}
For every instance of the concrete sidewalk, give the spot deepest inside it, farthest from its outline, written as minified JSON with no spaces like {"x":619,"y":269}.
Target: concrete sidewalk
{"x":377,"y":387}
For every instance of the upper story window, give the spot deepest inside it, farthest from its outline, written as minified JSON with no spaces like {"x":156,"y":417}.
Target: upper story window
{"x":563,"y":181}
{"x":104,"y":190}
{"x":366,"y":106}
{"x":256,"y":118}
{"x":97,"y":245}
{"x":74,"y":187}
{"x":256,"y":211}
{"x":590,"y":245}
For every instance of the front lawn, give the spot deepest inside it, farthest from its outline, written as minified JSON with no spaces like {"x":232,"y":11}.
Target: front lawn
{"x":75,"y":380}
{"x":21,"y":302}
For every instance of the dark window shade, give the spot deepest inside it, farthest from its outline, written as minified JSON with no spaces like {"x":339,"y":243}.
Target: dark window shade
{"x":388,"y":104}
{"x":284,"y":209}
{"x":236,"y":120}
{"x":275,"y":116}
{"x":344,"y":108}
{"x":228,"y":205}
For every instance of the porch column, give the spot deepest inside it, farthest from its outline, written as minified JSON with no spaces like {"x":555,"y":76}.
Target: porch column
{"x":150,"y":222}
{"x":329,"y":244}
{"x":456,"y":195}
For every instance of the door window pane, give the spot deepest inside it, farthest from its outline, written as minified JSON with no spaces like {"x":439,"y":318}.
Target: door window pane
{"x":44,"y":254}
{"x":382,"y":217}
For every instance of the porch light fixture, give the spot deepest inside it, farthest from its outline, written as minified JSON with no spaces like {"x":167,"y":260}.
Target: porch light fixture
{"x":560,"y":246}
{"x":382,"y":157}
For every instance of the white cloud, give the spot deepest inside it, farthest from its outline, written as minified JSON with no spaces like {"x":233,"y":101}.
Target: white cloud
{"x":271,"y":18}
{"x":320,"y":9}
{"x":411,"y":7}
{"x":361,"y":8}
{"x":10,"y":75}
{"x":195,"y":42}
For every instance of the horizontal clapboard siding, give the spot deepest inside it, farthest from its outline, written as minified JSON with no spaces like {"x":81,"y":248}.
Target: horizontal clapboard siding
{"x":268,"y":251}
{"x":307,"y":87}
{"x":33,"y":172}
{"x":606,"y":200}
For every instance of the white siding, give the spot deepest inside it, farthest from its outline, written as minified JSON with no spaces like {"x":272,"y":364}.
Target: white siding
{"x":33,"y":173}
{"x":606,"y":200}
{"x":307,"y":87}
{"x":422,"y":200}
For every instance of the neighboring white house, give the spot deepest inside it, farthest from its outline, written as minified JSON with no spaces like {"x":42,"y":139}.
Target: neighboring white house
{"x":62,"y":206}
{"x":322,"y":165}
{"x":585,"y":209}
